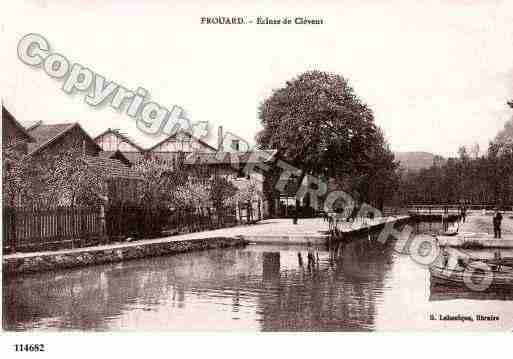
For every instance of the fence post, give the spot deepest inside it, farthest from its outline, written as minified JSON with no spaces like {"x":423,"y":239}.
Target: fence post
{"x":210,"y":224}
{"x":10,"y":229}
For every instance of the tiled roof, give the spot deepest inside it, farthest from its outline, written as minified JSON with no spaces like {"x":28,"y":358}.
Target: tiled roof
{"x":6,"y":115}
{"x":44,"y":134}
{"x":220,"y":158}
{"x":111,"y":168}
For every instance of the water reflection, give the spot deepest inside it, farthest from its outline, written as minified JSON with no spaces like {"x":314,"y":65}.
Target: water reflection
{"x":444,"y":292}
{"x":330,"y":290}
{"x":362,"y":285}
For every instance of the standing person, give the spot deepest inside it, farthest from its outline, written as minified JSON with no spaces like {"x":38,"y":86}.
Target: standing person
{"x":463,"y":213}
{"x":497,"y":220}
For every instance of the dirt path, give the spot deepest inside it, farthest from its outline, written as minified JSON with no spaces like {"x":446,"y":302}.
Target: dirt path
{"x":477,"y":222}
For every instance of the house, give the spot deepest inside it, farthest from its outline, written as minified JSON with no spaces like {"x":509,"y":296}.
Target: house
{"x":233,"y":165}
{"x":14,"y":134}
{"x":243,"y":169}
{"x":113,"y":140}
{"x":52,"y":140}
{"x":178,"y":146}
{"x":230,"y":142}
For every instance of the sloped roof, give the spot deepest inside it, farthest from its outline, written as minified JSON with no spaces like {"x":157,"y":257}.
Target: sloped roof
{"x":112,"y":168}
{"x":6,"y":115}
{"x":120,"y":135}
{"x":115,"y":155}
{"x":224,"y":158}
{"x":133,"y":156}
{"x":47,"y":134}
{"x":107,"y":154}
{"x":188,"y":134}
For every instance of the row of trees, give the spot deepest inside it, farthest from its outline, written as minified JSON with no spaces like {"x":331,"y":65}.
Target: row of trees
{"x":188,"y":187}
{"x":65,"y":179}
{"x":318,"y":125}
{"x":321,"y":127}
{"x":470,"y":178}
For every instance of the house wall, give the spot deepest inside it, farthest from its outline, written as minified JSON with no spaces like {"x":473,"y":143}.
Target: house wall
{"x":183,"y":143}
{"x":112,"y":142}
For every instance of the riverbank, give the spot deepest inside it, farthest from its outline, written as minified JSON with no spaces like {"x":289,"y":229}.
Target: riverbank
{"x":261,"y":287}
{"x":309,"y":231}
{"x":80,"y":257}
{"x":477,"y":232}
{"x":313,"y":231}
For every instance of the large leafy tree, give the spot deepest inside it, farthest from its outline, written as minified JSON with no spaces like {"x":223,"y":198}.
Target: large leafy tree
{"x":319,"y":125}
{"x":68,"y":180}
{"x":159,"y":180}
{"x":221,"y":192}
{"x":60,"y":179}
{"x":18,"y":170}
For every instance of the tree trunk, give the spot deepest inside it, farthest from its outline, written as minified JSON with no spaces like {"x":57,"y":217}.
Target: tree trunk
{"x":296,"y":212}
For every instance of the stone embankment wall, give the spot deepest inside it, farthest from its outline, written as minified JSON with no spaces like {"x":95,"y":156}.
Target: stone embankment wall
{"x":38,"y":262}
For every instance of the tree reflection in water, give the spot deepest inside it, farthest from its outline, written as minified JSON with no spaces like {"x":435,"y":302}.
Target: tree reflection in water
{"x":348,"y":287}
{"x":336,"y":292}
{"x":332,"y":290}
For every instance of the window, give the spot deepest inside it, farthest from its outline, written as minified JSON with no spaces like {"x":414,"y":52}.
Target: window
{"x":235,"y":145}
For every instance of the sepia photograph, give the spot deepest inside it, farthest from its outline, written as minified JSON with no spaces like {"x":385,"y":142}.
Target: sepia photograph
{"x":208,"y":166}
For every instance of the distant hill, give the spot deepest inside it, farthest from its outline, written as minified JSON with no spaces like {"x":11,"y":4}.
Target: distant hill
{"x":415,"y":161}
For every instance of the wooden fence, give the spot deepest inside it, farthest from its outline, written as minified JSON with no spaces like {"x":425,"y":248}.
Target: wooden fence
{"x":136,"y":222}
{"x":35,"y":228}
{"x":51,"y":228}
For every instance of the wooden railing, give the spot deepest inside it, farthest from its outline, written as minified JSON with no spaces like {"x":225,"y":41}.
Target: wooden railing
{"x":456,"y":206}
{"x":36,"y":228}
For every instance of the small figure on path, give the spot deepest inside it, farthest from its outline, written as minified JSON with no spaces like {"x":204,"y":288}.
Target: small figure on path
{"x":497,"y":220}
{"x":445,"y":258}
{"x":463,"y":212}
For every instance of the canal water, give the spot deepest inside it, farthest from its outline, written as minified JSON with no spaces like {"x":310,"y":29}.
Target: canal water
{"x":361,"y":286}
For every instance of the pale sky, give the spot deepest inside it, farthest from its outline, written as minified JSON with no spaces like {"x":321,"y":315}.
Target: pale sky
{"x":436,"y":73}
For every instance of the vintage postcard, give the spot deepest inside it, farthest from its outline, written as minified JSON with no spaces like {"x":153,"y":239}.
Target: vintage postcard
{"x":333,"y":166}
